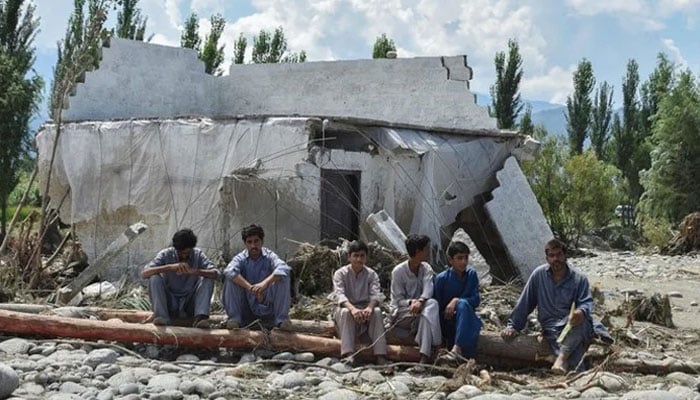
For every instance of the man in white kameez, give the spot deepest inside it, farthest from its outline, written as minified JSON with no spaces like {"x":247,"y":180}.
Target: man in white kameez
{"x":413,"y":309}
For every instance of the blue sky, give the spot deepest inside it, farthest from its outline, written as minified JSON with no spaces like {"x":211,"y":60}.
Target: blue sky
{"x":553,"y":34}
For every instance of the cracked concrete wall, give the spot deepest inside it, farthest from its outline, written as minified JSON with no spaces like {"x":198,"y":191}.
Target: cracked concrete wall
{"x":142,"y":80}
{"x":519,"y":219}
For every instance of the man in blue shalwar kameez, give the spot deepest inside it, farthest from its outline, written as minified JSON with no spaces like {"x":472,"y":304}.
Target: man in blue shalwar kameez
{"x":457,"y":293}
{"x":256,"y":284}
{"x":181,"y":281}
{"x":561,"y":295}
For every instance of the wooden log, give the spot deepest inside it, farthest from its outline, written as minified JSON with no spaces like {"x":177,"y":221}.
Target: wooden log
{"x":52,"y":326}
{"x":654,"y":367}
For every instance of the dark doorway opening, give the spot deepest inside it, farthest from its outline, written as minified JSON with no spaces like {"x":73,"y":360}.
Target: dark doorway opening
{"x":340,"y":204}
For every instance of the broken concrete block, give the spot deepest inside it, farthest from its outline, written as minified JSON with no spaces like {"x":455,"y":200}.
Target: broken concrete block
{"x":476,"y":260}
{"x":388,"y":232}
{"x":100,"y":264}
{"x":518,"y":218}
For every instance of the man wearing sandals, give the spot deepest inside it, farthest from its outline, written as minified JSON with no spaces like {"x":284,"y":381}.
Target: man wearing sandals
{"x":562,"y":297}
{"x":181,"y":281}
{"x":413,"y":309}
{"x":356,"y":292}
{"x":457,"y":293}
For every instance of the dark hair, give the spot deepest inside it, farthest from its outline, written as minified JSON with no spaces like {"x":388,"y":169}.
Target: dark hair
{"x":555,"y":244}
{"x":415,"y":243}
{"x":358,"y":246}
{"x":252,"y":230}
{"x":457,"y":248}
{"x":184,"y":239}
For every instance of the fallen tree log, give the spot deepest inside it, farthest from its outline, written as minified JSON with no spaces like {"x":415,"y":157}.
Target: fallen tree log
{"x":239,"y":339}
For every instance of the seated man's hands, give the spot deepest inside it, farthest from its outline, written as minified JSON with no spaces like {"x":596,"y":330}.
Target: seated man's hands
{"x":509,"y":333}
{"x":415,"y":307}
{"x":577,"y":317}
{"x":182,"y":269}
{"x":451,"y":308}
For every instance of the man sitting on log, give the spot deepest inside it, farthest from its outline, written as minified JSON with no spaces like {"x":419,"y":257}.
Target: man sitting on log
{"x":181,"y":281}
{"x":564,"y":309}
{"x":257,"y":284}
{"x":413,"y":309}
{"x":457,"y":293}
{"x":356,"y":291}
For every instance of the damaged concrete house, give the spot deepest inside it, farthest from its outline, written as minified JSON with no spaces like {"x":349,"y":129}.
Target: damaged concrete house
{"x":308,"y":151}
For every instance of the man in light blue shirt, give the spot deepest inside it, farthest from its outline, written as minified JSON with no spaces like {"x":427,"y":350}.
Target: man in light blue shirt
{"x":561,"y":295}
{"x":181,"y":281}
{"x":256,"y":284}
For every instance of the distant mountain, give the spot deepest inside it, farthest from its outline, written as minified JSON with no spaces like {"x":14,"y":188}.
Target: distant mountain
{"x":550,"y":115}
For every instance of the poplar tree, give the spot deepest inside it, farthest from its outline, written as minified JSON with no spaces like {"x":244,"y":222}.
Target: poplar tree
{"x":504,"y":93}
{"x":579,"y":106}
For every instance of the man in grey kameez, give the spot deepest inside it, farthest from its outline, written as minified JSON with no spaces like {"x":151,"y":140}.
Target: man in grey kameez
{"x":257,"y":284}
{"x":181,"y":281}
{"x":356,"y":291}
{"x":413,"y":309}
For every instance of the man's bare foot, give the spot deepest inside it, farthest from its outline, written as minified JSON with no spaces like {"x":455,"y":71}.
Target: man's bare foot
{"x":558,"y":367}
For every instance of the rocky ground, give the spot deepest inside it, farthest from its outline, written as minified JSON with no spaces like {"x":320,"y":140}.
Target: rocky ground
{"x":52,"y":369}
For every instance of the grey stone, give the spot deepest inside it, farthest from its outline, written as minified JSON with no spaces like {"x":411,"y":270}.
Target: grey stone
{"x":247,"y":358}
{"x":406,"y":379}
{"x":340,"y":394}
{"x":341,"y":367}
{"x":129,"y":388}
{"x":9,"y":380}
{"x":305,"y":357}
{"x":106,"y":370}
{"x":203,"y":387}
{"x":168,"y":395}
{"x":203,"y":370}
{"x":285,"y":356}
{"x":130,"y":397}
{"x":163,"y":383}
{"x":675,"y":294}
{"x":168,"y":367}
{"x":22,"y":365}
{"x":431,"y":395}
{"x":327,"y":361}
{"x":187,"y":387}
{"x":71,"y":387}
{"x":465,"y":392}
{"x":682,"y":379}
{"x":70,"y":377}
{"x":650,"y":395}
{"x":371,"y":376}
{"x":684,"y":392}
{"x":395,"y":387}
{"x":101,"y":356}
{"x":64,"y":396}
{"x":187,"y":358}
{"x":492,"y":396}
{"x":289,"y":380}
{"x":15,"y":346}
{"x":31,"y":388}
{"x":328,"y":386}
{"x":693,"y":303}
{"x":594,"y":393}
{"x":106,"y":394}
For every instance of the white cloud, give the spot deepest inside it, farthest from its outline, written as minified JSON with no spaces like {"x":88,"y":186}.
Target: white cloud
{"x":647,"y":15}
{"x":593,"y":7}
{"x":554,"y":86}
{"x":675,"y":53}
{"x":53,"y":16}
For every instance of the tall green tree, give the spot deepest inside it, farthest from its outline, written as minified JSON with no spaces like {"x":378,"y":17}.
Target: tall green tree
{"x":579,"y":106}
{"x":212,"y":54}
{"x":671,"y":187}
{"x":653,"y":90}
{"x":526,"y":126}
{"x":130,"y":23}
{"x":239,"y":47}
{"x":382,"y":46}
{"x":20,"y":92}
{"x":269,"y":48}
{"x":189,"y":39}
{"x":601,"y":118}
{"x":504,"y":93}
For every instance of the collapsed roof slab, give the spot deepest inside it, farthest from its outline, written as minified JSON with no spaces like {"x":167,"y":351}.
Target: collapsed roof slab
{"x":519,"y":219}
